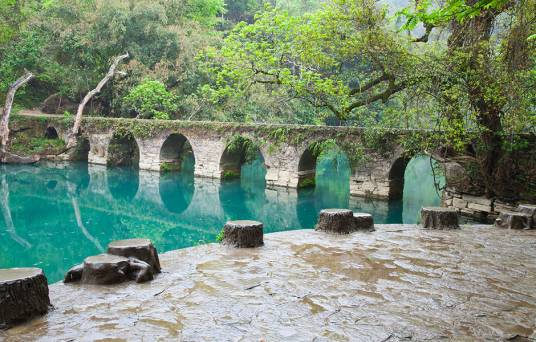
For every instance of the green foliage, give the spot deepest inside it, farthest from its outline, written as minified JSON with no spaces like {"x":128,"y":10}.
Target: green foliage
{"x":219,"y":237}
{"x":170,"y":167}
{"x":427,"y":12}
{"x":244,"y":146}
{"x":228,"y":174}
{"x":306,"y":183}
{"x":25,"y":145}
{"x":150,"y":100}
{"x":324,"y":60}
{"x":69,"y":45}
{"x":320,"y":148}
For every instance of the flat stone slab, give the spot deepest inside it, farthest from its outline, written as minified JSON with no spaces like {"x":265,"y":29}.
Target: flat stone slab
{"x":395,"y":284}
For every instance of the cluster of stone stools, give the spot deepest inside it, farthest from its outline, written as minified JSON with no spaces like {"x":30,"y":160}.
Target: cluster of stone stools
{"x":24,"y":291}
{"x":523,"y":218}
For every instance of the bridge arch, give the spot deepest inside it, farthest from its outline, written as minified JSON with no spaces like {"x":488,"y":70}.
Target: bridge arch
{"x":175,"y":150}
{"x":51,"y":132}
{"x":240,"y":151}
{"x":308,"y":161}
{"x":123,"y":150}
{"x":396,"y":177}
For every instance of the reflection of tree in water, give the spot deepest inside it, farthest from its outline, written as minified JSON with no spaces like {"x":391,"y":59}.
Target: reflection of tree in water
{"x":123,"y":182}
{"x":6,"y":213}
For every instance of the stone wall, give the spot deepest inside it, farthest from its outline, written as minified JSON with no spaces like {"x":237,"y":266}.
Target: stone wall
{"x":460,"y":194}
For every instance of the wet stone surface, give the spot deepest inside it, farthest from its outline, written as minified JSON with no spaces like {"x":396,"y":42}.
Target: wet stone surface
{"x":397,"y":283}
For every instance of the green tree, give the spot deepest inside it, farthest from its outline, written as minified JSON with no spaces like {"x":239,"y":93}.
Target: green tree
{"x":69,"y":44}
{"x":341,"y":58}
{"x":484,"y":85}
{"x":150,"y":100}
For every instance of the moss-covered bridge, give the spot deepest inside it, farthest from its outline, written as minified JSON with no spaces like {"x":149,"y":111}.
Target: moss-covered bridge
{"x":289,"y":151}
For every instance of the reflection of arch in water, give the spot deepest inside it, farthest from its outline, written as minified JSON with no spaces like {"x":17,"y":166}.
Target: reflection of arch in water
{"x":78,"y":173}
{"x":240,"y":202}
{"x":176,"y":191}
{"x":242,"y":157}
{"x":51,"y":133}
{"x":176,"y":154}
{"x":123,"y":182}
{"x":123,"y":150}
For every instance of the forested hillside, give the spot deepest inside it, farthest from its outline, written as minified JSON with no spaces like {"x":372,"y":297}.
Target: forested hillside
{"x":465,"y":69}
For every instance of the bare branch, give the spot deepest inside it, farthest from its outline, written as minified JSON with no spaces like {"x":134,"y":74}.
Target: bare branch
{"x":367,"y":86}
{"x":4,"y":121}
{"x":383,"y":96}
{"x":78,"y":119}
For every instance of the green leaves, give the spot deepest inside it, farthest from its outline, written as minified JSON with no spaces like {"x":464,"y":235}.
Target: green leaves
{"x":431,"y":14}
{"x":321,"y":59}
{"x":150,"y":100}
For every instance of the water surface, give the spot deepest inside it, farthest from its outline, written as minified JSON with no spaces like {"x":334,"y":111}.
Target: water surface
{"x":53,"y":216}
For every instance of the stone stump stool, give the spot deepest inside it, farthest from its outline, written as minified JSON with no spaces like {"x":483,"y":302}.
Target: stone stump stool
{"x":340,"y":221}
{"x":23,"y":295}
{"x":134,"y":259}
{"x":439,"y":218}
{"x":364,"y":221}
{"x":529,"y":209}
{"x":105,"y":269}
{"x":141,"y":249}
{"x":243,"y":234}
{"x":513,"y":220}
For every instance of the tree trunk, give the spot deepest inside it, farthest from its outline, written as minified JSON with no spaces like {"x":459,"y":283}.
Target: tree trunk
{"x":513,"y":220}
{"x":243,"y":234}
{"x":473,"y":37}
{"x":4,"y":121}
{"x":78,"y":119}
{"x":23,"y":295}
{"x":341,"y":221}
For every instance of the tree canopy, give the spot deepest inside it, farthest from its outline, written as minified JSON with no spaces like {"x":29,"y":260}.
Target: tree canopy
{"x":461,"y":70}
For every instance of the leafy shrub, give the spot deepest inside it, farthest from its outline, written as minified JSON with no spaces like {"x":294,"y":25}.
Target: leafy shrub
{"x":150,"y":100}
{"x":219,"y":237}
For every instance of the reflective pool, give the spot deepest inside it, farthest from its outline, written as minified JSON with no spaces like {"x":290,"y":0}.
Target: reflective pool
{"x":53,"y":216}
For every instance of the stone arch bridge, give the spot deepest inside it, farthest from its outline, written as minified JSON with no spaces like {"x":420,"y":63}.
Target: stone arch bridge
{"x":286,"y":149}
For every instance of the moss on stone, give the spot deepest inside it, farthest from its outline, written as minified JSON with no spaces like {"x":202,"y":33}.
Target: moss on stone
{"x":230,"y":174}
{"x":306,"y":183}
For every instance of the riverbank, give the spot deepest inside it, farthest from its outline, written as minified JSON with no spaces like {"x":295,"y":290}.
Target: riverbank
{"x":397,"y":283}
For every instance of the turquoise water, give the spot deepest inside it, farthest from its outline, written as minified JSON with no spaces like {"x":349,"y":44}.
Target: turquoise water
{"x":52,"y":217}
